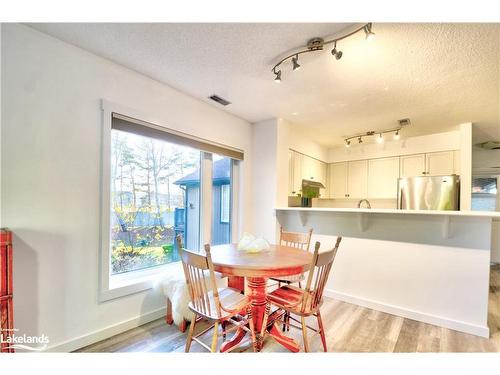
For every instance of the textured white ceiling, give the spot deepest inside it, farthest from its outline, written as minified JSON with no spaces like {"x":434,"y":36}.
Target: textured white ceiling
{"x":439,"y":75}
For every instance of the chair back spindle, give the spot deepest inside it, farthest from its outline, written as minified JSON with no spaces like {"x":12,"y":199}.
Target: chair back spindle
{"x":196,"y":269}
{"x":318,"y":276}
{"x":296,"y":240}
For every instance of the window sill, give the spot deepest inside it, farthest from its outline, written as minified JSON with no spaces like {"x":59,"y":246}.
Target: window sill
{"x":128,"y":283}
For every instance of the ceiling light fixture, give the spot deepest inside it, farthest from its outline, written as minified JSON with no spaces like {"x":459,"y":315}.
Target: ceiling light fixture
{"x":317,"y":44}
{"x":369,"y":34}
{"x":295,"y":62}
{"x":379,"y":135}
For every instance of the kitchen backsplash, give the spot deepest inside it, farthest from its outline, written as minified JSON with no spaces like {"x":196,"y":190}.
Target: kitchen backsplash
{"x":351,"y":203}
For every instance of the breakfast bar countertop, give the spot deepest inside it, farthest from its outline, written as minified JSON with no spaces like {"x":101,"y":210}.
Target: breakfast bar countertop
{"x":393,"y":211}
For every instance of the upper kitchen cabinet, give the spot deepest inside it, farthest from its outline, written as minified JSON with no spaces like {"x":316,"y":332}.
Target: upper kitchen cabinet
{"x":439,"y":163}
{"x":357,"y":179}
{"x":431,"y":164}
{"x":412,"y":165}
{"x":383,"y":177}
{"x":303,"y":167}
{"x":295,"y":173}
{"x":313,"y":169}
{"x":348,"y":180}
{"x":338,"y":180}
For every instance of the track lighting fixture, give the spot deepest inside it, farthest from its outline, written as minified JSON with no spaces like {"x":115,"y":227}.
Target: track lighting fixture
{"x":295,"y":62}
{"x":317,"y":44}
{"x":369,"y":34}
{"x":277,"y":79}
{"x":379,"y":136}
{"x":337,"y":54}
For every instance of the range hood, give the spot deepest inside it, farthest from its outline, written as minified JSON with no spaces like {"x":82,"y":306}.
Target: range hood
{"x":312,"y":184}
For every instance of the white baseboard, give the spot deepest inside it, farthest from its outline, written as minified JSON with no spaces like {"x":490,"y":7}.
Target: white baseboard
{"x":440,"y":321}
{"x":102,"y":334}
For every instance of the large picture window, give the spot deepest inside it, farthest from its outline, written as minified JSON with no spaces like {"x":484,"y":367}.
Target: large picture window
{"x":150,"y":205}
{"x":159,"y":183}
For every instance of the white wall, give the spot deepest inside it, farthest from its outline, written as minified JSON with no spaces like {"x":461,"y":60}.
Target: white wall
{"x":50,"y":179}
{"x":404,"y":146}
{"x":404,"y":264}
{"x":297,"y":142}
{"x":264,"y":178}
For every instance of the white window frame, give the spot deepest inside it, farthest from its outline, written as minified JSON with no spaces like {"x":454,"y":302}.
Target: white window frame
{"x":225,"y":189}
{"x":116,"y":286}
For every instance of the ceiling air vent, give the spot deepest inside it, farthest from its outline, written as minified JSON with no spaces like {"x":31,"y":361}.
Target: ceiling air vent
{"x":490,"y":145}
{"x":404,"y":122}
{"x":220,"y":100}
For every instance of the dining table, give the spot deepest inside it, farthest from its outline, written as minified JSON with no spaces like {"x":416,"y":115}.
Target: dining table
{"x":257,"y":268}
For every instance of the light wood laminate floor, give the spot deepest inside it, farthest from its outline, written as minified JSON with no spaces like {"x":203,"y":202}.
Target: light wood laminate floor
{"x":349,"y":328}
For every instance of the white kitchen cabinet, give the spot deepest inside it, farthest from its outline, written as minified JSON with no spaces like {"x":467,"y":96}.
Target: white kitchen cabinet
{"x":304,"y":167}
{"x":439,"y":163}
{"x":313,"y":169}
{"x":338,"y":180}
{"x":412,"y":165}
{"x":296,"y":172}
{"x":308,"y":168}
{"x":383,"y":177}
{"x":290,"y":172}
{"x":357,"y":179}
{"x":430,"y":164}
{"x":348,"y":179}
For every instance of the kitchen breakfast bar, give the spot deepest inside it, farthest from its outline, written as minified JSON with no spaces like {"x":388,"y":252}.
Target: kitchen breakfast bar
{"x":430,"y":266}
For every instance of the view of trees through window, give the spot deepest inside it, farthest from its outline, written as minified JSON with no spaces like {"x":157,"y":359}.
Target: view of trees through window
{"x":149,"y":203}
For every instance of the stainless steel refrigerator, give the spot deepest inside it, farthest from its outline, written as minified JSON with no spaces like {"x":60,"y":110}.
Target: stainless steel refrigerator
{"x":429,"y":193}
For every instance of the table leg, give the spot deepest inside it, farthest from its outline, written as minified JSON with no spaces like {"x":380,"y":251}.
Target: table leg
{"x":257,"y":293}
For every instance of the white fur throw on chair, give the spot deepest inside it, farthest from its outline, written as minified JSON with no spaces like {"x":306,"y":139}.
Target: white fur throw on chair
{"x":175,"y":288}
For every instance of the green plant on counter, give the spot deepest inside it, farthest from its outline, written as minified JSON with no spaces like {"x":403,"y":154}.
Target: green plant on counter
{"x":309,"y":192}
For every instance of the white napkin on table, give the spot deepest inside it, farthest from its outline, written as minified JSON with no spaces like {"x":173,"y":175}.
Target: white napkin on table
{"x":251,"y":244}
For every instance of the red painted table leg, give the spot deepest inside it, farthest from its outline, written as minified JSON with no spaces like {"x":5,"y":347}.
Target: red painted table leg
{"x":257,"y":295}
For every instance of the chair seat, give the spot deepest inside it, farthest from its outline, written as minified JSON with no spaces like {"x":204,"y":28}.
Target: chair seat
{"x":290,"y":279}
{"x":230,"y":299}
{"x":289,"y":298}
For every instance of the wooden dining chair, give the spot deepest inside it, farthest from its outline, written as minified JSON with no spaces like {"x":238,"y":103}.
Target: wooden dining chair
{"x":298,"y":241}
{"x":307,"y":302}
{"x":218,"y":306}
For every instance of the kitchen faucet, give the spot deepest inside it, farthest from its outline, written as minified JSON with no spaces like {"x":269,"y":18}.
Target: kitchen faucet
{"x":364,"y":200}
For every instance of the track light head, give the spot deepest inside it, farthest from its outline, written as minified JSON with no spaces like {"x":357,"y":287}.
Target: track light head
{"x":396,"y":135}
{"x":295,"y":62}
{"x":277,"y":79}
{"x":360,"y":140}
{"x":380,"y":138}
{"x":337,"y":54}
{"x":347,"y":143}
{"x":369,"y":34}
